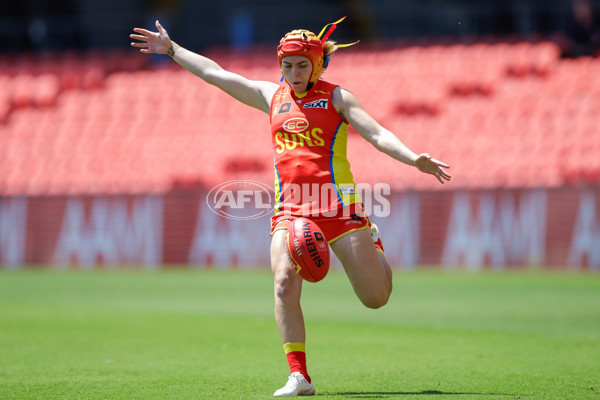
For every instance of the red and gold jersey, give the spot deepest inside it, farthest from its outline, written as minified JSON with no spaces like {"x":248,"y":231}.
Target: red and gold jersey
{"x":312,"y":173}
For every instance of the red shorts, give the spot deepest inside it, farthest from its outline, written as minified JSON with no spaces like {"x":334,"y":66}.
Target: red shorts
{"x":333,"y":227}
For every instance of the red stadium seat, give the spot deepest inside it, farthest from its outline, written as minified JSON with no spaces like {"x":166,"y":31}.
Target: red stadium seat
{"x":107,"y":124}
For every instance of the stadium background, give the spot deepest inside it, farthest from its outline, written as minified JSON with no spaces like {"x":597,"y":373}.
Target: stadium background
{"x":107,"y":155}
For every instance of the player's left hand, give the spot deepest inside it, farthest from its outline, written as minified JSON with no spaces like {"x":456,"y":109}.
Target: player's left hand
{"x":425,"y":163}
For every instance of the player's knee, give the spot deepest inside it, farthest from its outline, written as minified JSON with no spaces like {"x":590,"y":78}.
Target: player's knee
{"x":376,"y":300}
{"x":375,"y":303}
{"x":286,"y":287}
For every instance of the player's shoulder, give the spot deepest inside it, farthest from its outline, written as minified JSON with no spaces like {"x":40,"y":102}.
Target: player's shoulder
{"x":280,"y":93}
{"x":282,"y":89}
{"x":342,"y":98}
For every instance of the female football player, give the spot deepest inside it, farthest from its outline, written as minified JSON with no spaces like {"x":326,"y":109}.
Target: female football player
{"x":309,"y":125}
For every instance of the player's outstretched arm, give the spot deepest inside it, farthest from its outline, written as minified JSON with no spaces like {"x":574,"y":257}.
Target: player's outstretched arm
{"x":256,"y":94}
{"x":350,"y":108}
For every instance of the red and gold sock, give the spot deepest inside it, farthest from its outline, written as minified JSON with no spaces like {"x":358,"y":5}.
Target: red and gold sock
{"x":296,"y":356}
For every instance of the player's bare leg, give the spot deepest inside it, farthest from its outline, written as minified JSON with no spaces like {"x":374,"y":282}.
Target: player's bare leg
{"x":288,"y":288}
{"x":289,"y":318}
{"x":367,"y":269}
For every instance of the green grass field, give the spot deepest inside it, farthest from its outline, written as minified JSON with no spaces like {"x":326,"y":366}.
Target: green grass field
{"x":211,"y":335}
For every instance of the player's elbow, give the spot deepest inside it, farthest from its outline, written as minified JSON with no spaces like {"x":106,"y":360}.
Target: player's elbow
{"x":381,"y":141}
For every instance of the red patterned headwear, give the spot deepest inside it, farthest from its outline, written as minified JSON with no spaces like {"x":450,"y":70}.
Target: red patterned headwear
{"x":301,"y":42}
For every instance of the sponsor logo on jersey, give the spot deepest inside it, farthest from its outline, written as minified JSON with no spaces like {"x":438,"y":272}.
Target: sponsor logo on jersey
{"x":347,"y":190}
{"x":295,"y":125}
{"x":321,"y":103}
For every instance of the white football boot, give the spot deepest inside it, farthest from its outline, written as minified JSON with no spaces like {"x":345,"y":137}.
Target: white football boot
{"x":297,"y":385}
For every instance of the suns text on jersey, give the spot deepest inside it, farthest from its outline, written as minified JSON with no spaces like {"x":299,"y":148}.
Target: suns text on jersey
{"x":289,"y":141}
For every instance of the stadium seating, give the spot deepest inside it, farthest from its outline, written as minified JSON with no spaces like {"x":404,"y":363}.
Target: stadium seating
{"x":503,"y":115}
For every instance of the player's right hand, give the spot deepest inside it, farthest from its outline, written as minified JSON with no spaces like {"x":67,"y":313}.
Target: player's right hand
{"x":152,"y":42}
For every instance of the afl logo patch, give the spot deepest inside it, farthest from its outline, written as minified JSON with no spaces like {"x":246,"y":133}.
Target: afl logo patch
{"x":285,"y":108}
{"x":295,"y":125}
